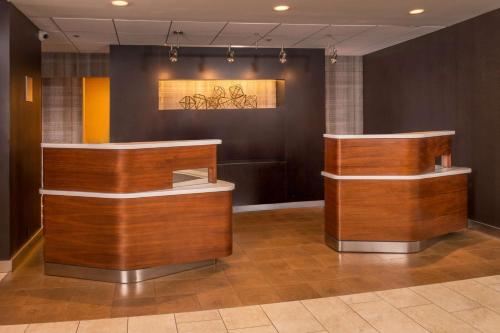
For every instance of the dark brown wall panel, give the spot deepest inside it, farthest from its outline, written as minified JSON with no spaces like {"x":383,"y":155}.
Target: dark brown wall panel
{"x":445,"y":80}
{"x":289,"y":138}
{"x":4,"y":131}
{"x":26,"y":130}
{"x":20,"y":130}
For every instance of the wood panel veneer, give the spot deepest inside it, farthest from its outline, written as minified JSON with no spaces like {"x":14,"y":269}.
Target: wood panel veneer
{"x":137,"y":233}
{"x":385,"y":156}
{"x":122,"y":171}
{"x":395,"y":210}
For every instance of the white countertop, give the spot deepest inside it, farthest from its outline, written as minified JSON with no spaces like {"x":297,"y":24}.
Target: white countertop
{"x":439,"y":172}
{"x":409,"y":135}
{"x":133,"y":145}
{"x":220,"y":186}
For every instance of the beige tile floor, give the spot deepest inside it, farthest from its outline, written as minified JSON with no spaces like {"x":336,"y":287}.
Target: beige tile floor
{"x":471,"y":305}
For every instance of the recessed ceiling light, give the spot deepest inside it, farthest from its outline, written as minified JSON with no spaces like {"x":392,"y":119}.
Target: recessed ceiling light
{"x":281,"y":8}
{"x":416,"y":11}
{"x":119,"y":3}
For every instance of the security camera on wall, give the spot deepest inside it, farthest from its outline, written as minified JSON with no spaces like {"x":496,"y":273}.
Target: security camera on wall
{"x":43,"y":35}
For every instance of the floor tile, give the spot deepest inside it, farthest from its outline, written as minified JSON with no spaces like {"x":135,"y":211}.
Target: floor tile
{"x":359,"y":298}
{"x":115,"y":325}
{"x":176,"y":287}
{"x":211,"y":326}
{"x":401,"y":298}
{"x":495,"y":286}
{"x":14,"y":297}
{"x":306,"y":262}
{"x":477,"y":292}
{"x":177,"y":303}
{"x":295,"y":292}
{"x":244,"y":317}
{"x":45,"y":312}
{"x":435,"y":319}
{"x":86,"y":311}
{"x":128,"y":307}
{"x":261,"y":329}
{"x":336,"y":316}
{"x":386,"y":318}
{"x":331,"y":288}
{"x":444,"y":297}
{"x":188,"y":317}
{"x":215,"y":299}
{"x":489,"y":280}
{"x":61,"y":327}
{"x":292,"y":317}
{"x":257,"y":295}
{"x":13,"y":328}
{"x":483,"y":319}
{"x":152,"y":324}
{"x":248,"y":280}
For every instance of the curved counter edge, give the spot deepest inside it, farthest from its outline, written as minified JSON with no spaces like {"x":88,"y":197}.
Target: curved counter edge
{"x":220,"y":186}
{"x":414,"y":135}
{"x":439,"y":172}
{"x":133,"y":145}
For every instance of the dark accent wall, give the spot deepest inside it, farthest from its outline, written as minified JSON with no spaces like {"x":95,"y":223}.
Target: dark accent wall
{"x":4,"y":131}
{"x":272,"y":155}
{"x":20,"y":130}
{"x":449,"y":79}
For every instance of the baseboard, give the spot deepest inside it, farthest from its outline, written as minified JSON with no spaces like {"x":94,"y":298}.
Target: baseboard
{"x":7,"y":266}
{"x":483,"y":227}
{"x":282,"y":205}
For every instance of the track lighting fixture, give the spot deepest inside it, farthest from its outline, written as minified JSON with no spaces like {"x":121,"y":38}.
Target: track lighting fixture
{"x":282,"y":55}
{"x":173,"y":54}
{"x":332,"y":54}
{"x":230,"y":55}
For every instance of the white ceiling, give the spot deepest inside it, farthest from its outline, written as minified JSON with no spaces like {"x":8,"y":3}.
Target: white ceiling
{"x":356,"y":27}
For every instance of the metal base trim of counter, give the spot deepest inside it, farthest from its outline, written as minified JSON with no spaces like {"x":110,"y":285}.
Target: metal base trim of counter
{"x":379,"y":247}
{"x":118,"y":276}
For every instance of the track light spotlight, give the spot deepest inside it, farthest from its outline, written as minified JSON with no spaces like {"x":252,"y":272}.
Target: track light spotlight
{"x":230,"y":55}
{"x":173,"y":54}
{"x":282,"y":55}
{"x":332,"y":54}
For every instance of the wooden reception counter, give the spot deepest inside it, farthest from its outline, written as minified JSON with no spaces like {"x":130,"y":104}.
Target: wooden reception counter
{"x":384,"y":193}
{"x":115,"y":212}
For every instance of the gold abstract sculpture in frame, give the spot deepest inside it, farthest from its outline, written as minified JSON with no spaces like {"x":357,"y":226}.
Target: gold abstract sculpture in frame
{"x":237,"y":99}
{"x":208,"y":94}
